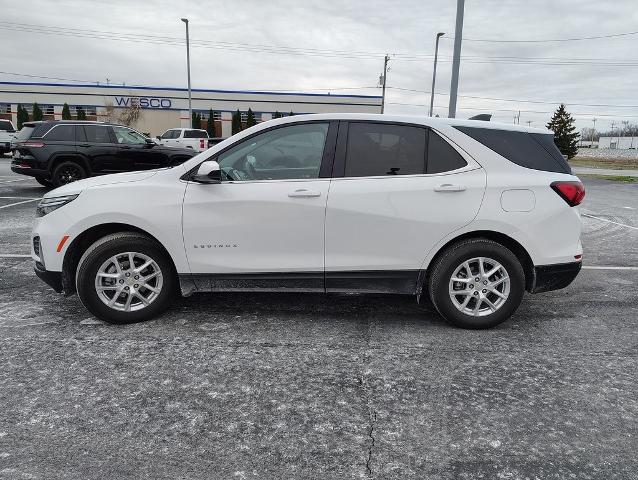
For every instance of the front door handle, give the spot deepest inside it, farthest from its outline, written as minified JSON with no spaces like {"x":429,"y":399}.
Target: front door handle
{"x":448,"y":187}
{"x":304,"y":193}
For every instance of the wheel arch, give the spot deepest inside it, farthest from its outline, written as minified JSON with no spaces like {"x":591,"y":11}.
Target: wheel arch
{"x":69,"y":157}
{"x":82,"y":242}
{"x":514,"y":246}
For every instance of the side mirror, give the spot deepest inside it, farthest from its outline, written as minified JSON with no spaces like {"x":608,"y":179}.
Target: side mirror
{"x":158,"y":137}
{"x":149,"y":142}
{"x":208,"y":172}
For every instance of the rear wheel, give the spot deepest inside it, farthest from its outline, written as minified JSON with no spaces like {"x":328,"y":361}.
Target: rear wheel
{"x":476,"y":284}
{"x":44,"y":182}
{"x":125,"y":278}
{"x":67,"y":172}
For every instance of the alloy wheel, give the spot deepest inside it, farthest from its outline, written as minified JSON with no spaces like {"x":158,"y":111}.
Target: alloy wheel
{"x":479,"y":286}
{"x":128,"y":281}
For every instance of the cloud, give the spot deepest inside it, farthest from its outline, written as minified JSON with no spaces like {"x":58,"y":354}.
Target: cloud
{"x":345,"y":28}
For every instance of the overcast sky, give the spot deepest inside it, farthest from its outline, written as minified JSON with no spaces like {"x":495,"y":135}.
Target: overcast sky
{"x":321,"y":45}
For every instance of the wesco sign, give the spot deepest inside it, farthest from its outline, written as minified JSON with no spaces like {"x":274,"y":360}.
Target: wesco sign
{"x":143,"y":102}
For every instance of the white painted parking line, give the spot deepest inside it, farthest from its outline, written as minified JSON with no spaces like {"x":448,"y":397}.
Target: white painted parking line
{"x":4,"y":182}
{"x":20,"y":198}
{"x":18,"y":203}
{"x":14,"y":255}
{"x":604,"y":267}
{"x":608,"y":221}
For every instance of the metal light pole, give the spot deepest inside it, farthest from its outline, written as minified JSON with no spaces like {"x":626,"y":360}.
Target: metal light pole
{"x":188,"y":68}
{"x":385,"y":76}
{"x":456,"y":60}
{"x":436,"y":54}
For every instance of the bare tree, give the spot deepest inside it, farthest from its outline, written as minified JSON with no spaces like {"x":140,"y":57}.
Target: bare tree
{"x":127,"y":115}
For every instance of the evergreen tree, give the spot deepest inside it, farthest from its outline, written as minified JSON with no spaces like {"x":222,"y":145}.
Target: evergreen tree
{"x":565,"y":134}
{"x":277,"y":115}
{"x":37,"y":112}
{"x":250,"y":119}
{"x":66,"y":112}
{"x":197,"y":120}
{"x":23,"y":116}
{"x":291,"y":114}
{"x":210,"y":124}
{"x":236,"y":124}
{"x":80,"y":113}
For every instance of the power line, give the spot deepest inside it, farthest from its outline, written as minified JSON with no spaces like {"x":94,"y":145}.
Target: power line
{"x":547,"y":40}
{"x":518,"y":100}
{"x":278,"y":49}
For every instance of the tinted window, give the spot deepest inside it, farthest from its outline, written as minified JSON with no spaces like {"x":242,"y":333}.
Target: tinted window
{"x":292,"y":152}
{"x":195,"y":134}
{"x":536,"y":151}
{"x":6,"y":126}
{"x":376,"y":149}
{"x":61,"y":133}
{"x":127,"y":136}
{"x":442,"y":157}
{"x":97,"y":134}
{"x":24,"y":133}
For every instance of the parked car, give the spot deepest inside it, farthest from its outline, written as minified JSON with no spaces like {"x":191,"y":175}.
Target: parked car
{"x":60,"y":152}
{"x":193,"y":138}
{"x":7,"y":133}
{"x":470,"y":214}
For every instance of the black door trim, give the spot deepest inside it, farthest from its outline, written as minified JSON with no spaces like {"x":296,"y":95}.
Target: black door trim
{"x":364,"y":281}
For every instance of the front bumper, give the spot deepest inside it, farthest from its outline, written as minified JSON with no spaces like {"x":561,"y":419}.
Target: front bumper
{"x":53,"y":279}
{"x":554,"y":277}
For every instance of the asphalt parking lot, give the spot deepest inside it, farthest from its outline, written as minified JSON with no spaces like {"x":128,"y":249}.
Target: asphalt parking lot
{"x":311,"y":386}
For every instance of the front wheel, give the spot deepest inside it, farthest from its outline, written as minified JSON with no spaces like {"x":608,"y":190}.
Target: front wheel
{"x":125,"y":278}
{"x":477,"y":283}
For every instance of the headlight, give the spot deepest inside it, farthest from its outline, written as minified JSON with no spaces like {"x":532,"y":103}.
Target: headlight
{"x":47,"y":205}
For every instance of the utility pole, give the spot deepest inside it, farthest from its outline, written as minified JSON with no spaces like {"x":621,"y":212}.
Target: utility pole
{"x":188,"y":68}
{"x":456,"y":59}
{"x":436,"y":54}
{"x":383,"y":78}
{"x":593,"y":132}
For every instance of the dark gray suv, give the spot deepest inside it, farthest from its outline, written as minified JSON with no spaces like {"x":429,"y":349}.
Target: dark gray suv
{"x":60,"y":152}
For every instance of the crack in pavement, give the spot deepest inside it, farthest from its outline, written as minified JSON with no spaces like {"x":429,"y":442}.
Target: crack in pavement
{"x":372,"y":414}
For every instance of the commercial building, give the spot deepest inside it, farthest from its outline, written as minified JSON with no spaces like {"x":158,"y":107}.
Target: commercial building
{"x":621,"y":143}
{"x":162,"y":108}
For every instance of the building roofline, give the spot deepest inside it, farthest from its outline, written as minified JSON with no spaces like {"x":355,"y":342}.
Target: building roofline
{"x":181,"y":89}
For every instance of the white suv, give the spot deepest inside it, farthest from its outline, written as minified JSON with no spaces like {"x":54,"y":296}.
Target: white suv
{"x":193,"y":138}
{"x":469,"y":213}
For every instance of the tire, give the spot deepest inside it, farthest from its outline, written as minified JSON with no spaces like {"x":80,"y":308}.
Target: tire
{"x":509,"y":282}
{"x":67,"y":172}
{"x":44,"y":182}
{"x":99,"y":258}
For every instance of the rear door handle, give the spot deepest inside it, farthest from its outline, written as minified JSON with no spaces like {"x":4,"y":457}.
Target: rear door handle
{"x":303,"y":193}
{"x":448,"y":187}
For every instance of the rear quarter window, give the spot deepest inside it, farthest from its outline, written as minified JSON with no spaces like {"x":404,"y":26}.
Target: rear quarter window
{"x":530,"y":150}
{"x":195,"y":134}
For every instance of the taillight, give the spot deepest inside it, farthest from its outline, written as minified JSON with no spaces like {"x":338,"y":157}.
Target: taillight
{"x":572,"y":192}
{"x":32,"y":144}
{"x":201,"y":143}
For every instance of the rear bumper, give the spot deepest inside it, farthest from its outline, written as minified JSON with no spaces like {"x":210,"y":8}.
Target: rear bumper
{"x":24,"y":169}
{"x":52,"y":279}
{"x":554,"y":277}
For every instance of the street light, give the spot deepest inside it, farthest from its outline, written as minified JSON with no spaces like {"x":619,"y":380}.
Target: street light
{"x":436,"y":54}
{"x":188,"y":68}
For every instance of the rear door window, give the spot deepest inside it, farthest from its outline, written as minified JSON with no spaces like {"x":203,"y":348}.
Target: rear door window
{"x":195,"y":134}
{"x":378,"y":149}
{"x":61,"y":133}
{"x":97,"y":134}
{"x":442,"y":157}
{"x":529,"y":150}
